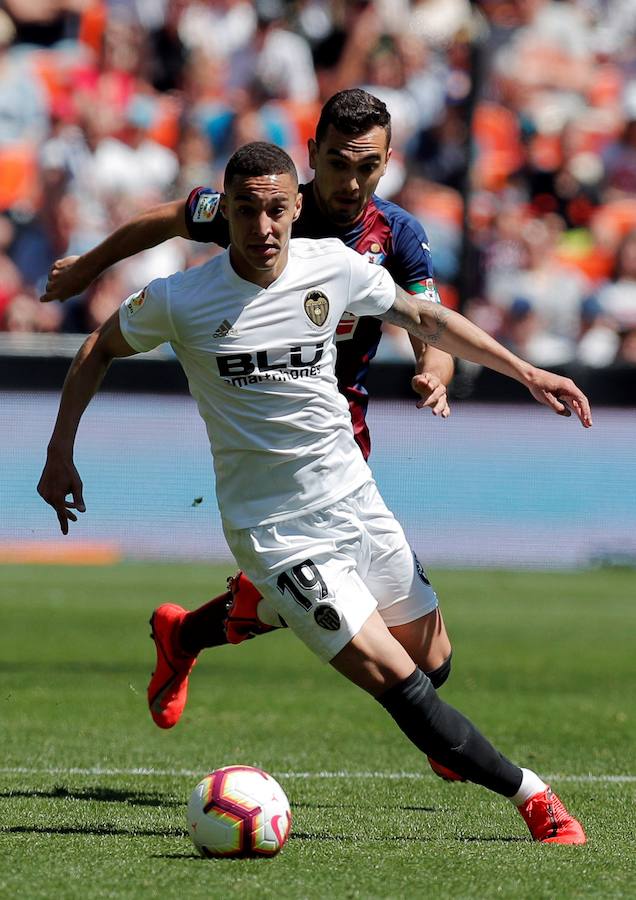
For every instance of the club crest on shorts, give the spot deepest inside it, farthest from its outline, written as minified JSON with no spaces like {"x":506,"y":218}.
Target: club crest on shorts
{"x":420,"y":570}
{"x":317,"y":307}
{"x":327,"y":616}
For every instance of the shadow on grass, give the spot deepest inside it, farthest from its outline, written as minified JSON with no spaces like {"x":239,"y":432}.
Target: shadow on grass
{"x":99,"y":830}
{"x":353,"y":838}
{"x":377,"y":806}
{"x":296,"y":805}
{"x":406,"y":838}
{"x":109,"y":830}
{"x":99,"y":794}
{"x":475,"y":839}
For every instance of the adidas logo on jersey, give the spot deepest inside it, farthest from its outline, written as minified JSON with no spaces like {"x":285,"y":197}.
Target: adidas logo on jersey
{"x":225,"y":330}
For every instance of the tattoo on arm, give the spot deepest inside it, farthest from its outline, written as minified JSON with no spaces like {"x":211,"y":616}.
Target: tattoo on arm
{"x":423,"y":318}
{"x":441,"y":323}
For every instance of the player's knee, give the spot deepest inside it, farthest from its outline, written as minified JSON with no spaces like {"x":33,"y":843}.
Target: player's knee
{"x":438,"y":676}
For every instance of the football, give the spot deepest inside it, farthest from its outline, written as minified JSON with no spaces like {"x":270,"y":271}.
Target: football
{"x":238,"y":811}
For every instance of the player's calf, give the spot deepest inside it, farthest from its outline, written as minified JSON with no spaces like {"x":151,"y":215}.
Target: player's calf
{"x":204,"y":627}
{"x":232,"y":617}
{"x":438,"y":677}
{"x":448,"y":737}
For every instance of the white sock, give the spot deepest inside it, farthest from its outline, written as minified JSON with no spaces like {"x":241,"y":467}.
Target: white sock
{"x":531,"y":784}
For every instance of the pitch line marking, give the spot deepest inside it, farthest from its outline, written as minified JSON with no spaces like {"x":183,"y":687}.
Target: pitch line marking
{"x":196,"y":773}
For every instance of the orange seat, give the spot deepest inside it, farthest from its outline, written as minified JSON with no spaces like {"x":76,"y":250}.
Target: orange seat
{"x":496,"y":132}
{"x":304,"y":117}
{"x":616,"y":218}
{"x":19,"y":182}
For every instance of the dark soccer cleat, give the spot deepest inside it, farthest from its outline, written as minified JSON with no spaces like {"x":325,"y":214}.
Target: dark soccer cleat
{"x":443,"y":772}
{"x":242,"y":621}
{"x":549,"y":821}
{"x":168,"y":688}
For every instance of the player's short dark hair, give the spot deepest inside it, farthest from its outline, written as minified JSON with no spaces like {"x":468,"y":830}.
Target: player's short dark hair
{"x":259,"y":158}
{"x":353,"y":112}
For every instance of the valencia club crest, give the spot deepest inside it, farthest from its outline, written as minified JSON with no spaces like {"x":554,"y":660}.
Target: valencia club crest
{"x":317,"y":307}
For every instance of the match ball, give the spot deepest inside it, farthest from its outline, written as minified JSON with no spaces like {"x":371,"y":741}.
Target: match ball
{"x":238,"y":811}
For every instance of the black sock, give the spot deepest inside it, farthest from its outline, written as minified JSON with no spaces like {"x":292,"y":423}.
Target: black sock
{"x":447,"y":736}
{"x":205,"y":626}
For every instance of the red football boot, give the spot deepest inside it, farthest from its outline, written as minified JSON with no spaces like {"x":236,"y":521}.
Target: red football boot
{"x":168,"y":688}
{"x":242,"y":621}
{"x":549,"y":821}
{"x":443,"y":772}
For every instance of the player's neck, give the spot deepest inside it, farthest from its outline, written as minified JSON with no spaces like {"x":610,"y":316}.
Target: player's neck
{"x":260,"y":277}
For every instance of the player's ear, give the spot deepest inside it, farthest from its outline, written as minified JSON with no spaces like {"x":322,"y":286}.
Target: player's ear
{"x":223,"y":205}
{"x":312,"y":149}
{"x":298,"y":206}
{"x":389,"y":153}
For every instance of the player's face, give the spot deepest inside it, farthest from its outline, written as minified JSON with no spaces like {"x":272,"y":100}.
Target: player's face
{"x":260,"y":210}
{"x":347,"y":170}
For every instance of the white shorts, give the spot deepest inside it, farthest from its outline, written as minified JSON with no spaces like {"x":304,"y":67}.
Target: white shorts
{"x":325,"y":572}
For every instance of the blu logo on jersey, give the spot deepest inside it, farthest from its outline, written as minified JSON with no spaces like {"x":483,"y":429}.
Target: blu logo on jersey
{"x":242,"y":364}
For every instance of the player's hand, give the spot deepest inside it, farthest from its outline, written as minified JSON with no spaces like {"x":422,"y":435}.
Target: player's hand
{"x":67,"y":278}
{"x":59,"y":479}
{"x":433,"y":393}
{"x":561,"y":395}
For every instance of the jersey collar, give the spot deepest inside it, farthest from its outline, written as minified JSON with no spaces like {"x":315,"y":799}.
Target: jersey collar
{"x":249,"y":287}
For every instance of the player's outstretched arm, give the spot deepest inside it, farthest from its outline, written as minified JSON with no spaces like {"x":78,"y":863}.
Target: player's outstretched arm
{"x":73,"y":274}
{"x":452,"y":332}
{"x":60,"y":477}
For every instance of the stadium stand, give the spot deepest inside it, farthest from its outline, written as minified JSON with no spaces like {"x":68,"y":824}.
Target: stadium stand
{"x":514,"y":143}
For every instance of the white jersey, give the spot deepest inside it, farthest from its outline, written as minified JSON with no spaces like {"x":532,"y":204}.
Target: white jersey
{"x":260,"y":365}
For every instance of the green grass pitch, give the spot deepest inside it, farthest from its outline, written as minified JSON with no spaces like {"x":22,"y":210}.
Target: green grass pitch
{"x":92,"y":794}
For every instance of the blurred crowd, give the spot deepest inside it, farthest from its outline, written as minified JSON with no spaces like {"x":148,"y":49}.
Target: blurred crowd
{"x":514,"y":135}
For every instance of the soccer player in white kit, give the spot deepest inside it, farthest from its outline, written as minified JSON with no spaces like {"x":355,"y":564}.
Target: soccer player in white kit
{"x":254,"y":331}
